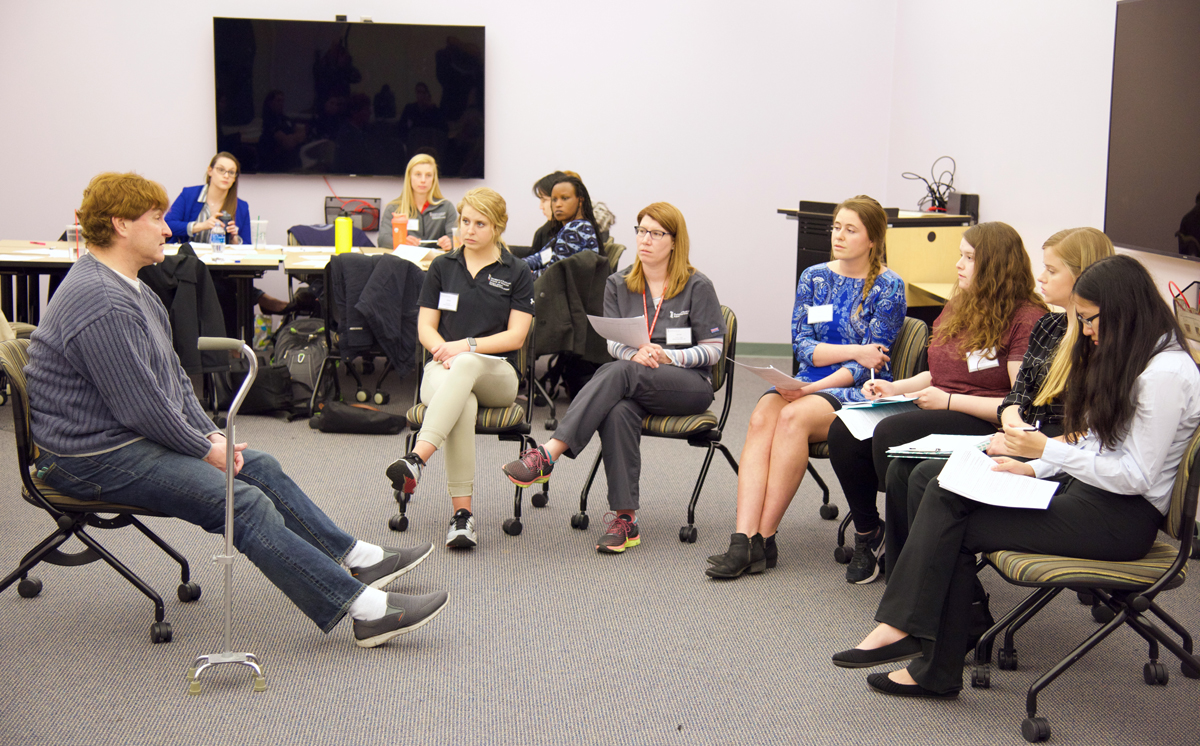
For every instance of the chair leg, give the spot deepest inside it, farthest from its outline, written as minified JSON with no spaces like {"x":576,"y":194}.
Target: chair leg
{"x":35,"y":556}
{"x":1083,"y":648}
{"x":580,"y":519}
{"x":824,"y":487}
{"x":1191,"y":664}
{"x":1175,"y":626}
{"x":983,"y":649}
{"x":116,"y":564}
{"x":1008,"y":653}
{"x":185,"y":573}
{"x":551,"y":421}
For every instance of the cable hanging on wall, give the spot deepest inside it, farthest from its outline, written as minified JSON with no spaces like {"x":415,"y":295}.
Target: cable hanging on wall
{"x":939,"y":186}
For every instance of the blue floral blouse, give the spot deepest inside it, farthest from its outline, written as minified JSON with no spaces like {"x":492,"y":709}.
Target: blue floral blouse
{"x":880,"y":321}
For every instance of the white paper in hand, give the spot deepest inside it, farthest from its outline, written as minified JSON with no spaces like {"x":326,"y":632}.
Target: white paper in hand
{"x":630,"y":332}
{"x":773,"y":376}
{"x":969,"y":473}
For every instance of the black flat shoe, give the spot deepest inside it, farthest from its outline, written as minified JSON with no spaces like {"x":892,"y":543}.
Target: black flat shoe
{"x":882,"y":684}
{"x":901,"y":650}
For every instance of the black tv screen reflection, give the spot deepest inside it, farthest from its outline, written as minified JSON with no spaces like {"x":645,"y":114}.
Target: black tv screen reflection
{"x":1153,"y":195}
{"x":323,"y":97}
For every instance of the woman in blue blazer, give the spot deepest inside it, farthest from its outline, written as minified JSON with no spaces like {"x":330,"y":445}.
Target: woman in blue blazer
{"x":197,"y":209}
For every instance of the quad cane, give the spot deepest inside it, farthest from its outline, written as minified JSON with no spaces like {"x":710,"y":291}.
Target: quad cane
{"x":227,"y":655}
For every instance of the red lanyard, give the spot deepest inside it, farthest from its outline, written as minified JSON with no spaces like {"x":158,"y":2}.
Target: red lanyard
{"x":646,"y":313}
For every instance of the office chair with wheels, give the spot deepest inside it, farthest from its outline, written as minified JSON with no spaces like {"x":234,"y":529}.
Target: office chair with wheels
{"x":74,"y":516}
{"x":909,"y":354}
{"x":1127,"y":589}
{"x":699,"y":430}
{"x":511,"y":423}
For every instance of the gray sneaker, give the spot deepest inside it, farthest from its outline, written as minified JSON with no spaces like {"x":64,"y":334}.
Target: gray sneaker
{"x":404,"y":614}
{"x":461,"y":534}
{"x":404,"y":473}
{"x":395,"y":563}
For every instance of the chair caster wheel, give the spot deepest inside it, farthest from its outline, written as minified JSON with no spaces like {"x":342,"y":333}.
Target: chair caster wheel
{"x":1102,"y":614}
{"x":540,"y":401}
{"x":828,"y":512}
{"x":1085,"y":597}
{"x":982,"y":677}
{"x":1155,"y":673}
{"x":188,"y":592}
{"x":551,"y":425}
{"x":3,"y":398}
{"x":1007,"y":660}
{"x":843,"y":555}
{"x":513,"y":527}
{"x":160,"y":632}
{"x":579,"y":521}
{"x":688,"y":534}
{"x":540,"y":499}
{"x":360,"y":395}
{"x":398,"y":523}
{"x":381,"y":397}
{"x":29,"y":587}
{"x":1035,"y":729}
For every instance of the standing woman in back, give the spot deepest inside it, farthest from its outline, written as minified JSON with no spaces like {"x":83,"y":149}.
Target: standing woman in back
{"x":477,"y":299}
{"x":431,"y":217}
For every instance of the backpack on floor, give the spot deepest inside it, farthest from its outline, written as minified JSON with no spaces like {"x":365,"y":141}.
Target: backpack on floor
{"x":301,"y":347}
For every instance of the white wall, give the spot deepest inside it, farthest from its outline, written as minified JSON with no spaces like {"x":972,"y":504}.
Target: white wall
{"x":1018,"y":92}
{"x":728,"y":112}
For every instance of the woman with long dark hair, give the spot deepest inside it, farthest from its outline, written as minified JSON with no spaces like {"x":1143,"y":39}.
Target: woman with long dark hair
{"x":574,"y":227}
{"x":978,"y":343}
{"x":1132,"y":403}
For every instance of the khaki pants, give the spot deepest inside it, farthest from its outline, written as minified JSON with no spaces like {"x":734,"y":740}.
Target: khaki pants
{"x":453,"y":398}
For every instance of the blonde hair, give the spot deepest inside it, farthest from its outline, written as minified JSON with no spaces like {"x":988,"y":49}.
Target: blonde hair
{"x":679,"y":269}
{"x":1077,"y":248}
{"x":874,"y":219}
{"x":406,"y":203}
{"x":488,"y":203}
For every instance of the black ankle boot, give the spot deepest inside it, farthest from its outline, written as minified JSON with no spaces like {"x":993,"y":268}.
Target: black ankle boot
{"x":770,"y":551}
{"x":744,"y":555}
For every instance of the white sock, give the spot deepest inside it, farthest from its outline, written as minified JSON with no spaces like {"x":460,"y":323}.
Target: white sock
{"x":363,"y":554}
{"x":371,"y":604}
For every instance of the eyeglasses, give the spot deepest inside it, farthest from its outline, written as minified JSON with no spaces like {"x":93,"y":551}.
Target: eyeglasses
{"x":656,"y":235}
{"x":223,"y":172}
{"x":1088,"y":321}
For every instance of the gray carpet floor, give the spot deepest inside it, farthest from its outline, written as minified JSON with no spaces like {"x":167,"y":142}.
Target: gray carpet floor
{"x":544,"y":641}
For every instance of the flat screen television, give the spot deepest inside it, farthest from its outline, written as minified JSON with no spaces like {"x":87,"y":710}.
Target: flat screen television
{"x":1153,"y":195}
{"x":326,"y":97}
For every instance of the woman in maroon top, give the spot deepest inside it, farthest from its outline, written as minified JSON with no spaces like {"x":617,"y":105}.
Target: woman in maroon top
{"x":975,"y":352}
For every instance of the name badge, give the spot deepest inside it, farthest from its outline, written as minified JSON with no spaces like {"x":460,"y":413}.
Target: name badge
{"x":978,"y":360}
{"x":680,"y":336}
{"x":547,"y":255}
{"x":447,"y":301}
{"x":414,"y":225}
{"x":820,"y":314}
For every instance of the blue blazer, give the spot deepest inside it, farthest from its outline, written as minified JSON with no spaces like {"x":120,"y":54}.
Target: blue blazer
{"x":186,"y":209}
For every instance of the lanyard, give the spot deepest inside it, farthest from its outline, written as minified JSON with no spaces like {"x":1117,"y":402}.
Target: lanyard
{"x":646,"y":313}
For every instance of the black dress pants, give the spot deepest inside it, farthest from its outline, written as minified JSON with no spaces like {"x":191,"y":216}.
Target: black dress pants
{"x":933,"y":581}
{"x":862,"y":465}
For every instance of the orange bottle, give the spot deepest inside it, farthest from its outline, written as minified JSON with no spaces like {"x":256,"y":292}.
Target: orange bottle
{"x":399,"y":229}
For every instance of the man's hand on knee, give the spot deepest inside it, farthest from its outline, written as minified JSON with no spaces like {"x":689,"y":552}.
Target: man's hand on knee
{"x":217,"y":455}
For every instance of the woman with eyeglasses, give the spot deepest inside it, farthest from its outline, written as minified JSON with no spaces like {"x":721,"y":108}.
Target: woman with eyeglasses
{"x":1132,"y":404}
{"x":198,"y":209}
{"x":670,"y":375}
{"x":431,"y":217}
{"x":574,"y":224}
{"x":1036,"y":399}
{"x":976,"y":349}
{"x":847,"y":315}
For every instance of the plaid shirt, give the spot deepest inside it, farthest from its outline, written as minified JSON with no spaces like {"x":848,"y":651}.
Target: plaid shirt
{"x":1043,"y":343}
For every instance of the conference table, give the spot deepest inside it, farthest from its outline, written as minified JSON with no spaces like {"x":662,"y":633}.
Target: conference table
{"x":23,"y":263}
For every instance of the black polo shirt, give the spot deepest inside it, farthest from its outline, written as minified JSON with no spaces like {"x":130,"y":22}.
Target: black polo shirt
{"x":477,"y":306}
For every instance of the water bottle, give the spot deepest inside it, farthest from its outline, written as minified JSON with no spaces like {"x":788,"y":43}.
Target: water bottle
{"x":216,"y":237}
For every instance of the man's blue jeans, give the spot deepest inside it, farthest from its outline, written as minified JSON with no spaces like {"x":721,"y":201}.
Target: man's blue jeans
{"x":276,"y":526}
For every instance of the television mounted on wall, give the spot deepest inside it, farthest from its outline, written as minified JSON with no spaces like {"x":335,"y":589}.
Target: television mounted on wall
{"x":329,"y":97}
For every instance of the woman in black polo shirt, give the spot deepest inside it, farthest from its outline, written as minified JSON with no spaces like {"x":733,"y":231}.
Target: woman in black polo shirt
{"x":478,"y":299}
{"x":669,"y":376}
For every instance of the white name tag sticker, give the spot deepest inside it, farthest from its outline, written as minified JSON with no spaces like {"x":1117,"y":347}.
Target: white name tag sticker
{"x":447,"y":301}
{"x":547,"y":255}
{"x":414,"y":225}
{"x":820,"y":314}
{"x":978,"y":360}
{"x":680,"y":336}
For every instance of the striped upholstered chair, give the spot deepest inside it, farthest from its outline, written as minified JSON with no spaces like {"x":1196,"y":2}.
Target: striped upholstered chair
{"x":74,"y":516}
{"x":909,"y":357}
{"x":699,"y":430}
{"x":507,"y":423}
{"x":1128,"y":589}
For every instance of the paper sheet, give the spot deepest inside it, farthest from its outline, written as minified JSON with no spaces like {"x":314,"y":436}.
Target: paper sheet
{"x":630,"y":332}
{"x":881,"y":401}
{"x":773,"y":376}
{"x":939,"y":446}
{"x":861,"y":421}
{"x":415,"y":254}
{"x":969,"y":473}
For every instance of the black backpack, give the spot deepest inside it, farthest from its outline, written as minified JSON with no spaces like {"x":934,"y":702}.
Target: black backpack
{"x":301,"y":347}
